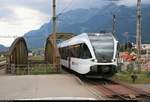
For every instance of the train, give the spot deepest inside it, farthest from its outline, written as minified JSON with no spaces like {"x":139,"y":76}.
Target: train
{"x":91,"y":54}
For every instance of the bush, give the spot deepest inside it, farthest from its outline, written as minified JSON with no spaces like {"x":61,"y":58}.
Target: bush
{"x":130,"y":68}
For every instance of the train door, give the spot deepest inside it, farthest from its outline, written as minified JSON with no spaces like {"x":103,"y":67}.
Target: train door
{"x":69,"y":57}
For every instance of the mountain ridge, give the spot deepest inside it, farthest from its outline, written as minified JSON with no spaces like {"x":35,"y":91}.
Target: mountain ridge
{"x":94,"y":20}
{"x":3,"y":48}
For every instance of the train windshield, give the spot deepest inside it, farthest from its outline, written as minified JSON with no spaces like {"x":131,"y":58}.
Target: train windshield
{"x":103,"y":45}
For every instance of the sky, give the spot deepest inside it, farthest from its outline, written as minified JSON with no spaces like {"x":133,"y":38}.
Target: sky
{"x":17,"y":17}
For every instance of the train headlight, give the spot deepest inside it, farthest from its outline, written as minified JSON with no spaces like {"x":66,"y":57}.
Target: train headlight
{"x":113,"y":60}
{"x":94,"y":60}
{"x":94,"y":69}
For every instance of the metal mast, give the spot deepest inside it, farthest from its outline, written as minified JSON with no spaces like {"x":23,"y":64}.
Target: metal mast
{"x":54,"y":34}
{"x":54,"y":17}
{"x":138,"y":34}
{"x":114,"y":24}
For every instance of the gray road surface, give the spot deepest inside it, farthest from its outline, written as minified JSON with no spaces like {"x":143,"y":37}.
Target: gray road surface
{"x":42,"y":86}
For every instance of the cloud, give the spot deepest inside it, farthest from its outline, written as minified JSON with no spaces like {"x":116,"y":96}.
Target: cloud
{"x":132,"y":2}
{"x":21,"y":21}
{"x":45,"y":6}
{"x":74,"y":4}
{"x":20,"y":16}
{"x":40,"y":5}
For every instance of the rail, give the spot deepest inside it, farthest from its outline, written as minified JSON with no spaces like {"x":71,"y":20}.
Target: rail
{"x":106,"y":92}
{"x":114,"y":90}
{"x":142,"y":92}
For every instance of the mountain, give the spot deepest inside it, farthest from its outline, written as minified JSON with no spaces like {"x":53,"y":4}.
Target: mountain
{"x":95,"y":20}
{"x":3,"y":48}
{"x":36,"y":38}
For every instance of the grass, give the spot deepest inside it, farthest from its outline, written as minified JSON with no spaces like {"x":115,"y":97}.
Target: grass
{"x":143,"y":77}
{"x":42,"y":69}
{"x":37,"y":58}
{"x":37,"y":69}
{"x":2,"y":58}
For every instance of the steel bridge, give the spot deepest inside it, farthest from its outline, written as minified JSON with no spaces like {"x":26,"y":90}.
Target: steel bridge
{"x":18,"y":52}
{"x":49,"y":48}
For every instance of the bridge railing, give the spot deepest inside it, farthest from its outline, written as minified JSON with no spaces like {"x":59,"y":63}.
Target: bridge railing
{"x":31,"y":69}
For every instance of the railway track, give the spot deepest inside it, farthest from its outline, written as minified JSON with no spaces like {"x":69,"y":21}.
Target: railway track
{"x":115,"y":90}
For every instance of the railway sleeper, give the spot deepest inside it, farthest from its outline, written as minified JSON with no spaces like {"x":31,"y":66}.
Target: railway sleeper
{"x":140,"y":93}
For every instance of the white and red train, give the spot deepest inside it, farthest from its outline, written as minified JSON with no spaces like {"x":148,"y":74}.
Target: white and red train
{"x":90,"y":54}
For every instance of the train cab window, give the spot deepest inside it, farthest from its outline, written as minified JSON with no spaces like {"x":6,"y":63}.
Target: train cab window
{"x":84,"y":52}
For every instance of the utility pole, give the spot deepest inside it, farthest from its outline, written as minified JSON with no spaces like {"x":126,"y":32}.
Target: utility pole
{"x":114,"y":24}
{"x":126,"y":34}
{"x":54,"y":54}
{"x":54,"y":17}
{"x":138,"y":34}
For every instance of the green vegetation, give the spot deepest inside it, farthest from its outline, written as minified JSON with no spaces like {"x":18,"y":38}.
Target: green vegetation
{"x":36,"y":69}
{"x":125,"y":47}
{"x":125,"y":76}
{"x":36,"y":49}
{"x":40,"y":58}
{"x":2,"y":58}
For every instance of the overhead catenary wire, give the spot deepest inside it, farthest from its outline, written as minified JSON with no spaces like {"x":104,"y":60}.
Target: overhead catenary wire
{"x":65,"y":8}
{"x":120,"y":17}
{"x":9,"y":36}
{"x":28,"y":37}
{"x":113,"y":11}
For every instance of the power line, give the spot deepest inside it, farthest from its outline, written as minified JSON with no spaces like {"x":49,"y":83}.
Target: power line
{"x":113,"y":11}
{"x":27,"y":37}
{"x":9,"y":36}
{"x":65,"y":8}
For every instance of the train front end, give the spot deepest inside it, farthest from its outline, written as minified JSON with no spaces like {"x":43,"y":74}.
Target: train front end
{"x":105,"y":54}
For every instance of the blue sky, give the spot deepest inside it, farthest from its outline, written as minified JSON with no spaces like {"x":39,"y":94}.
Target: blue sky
{"x":20,"y":16}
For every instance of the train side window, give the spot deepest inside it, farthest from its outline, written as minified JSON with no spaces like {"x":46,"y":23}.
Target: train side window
{"x":70,"y":52}
{"x":60,"y":51}
{"x":79,"y":51}
{"x":64,"y":53}
{"x":67,"y":53}
{"x":76,"y":51}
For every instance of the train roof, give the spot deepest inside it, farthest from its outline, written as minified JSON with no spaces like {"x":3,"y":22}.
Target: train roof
{"x":82,"y":38}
